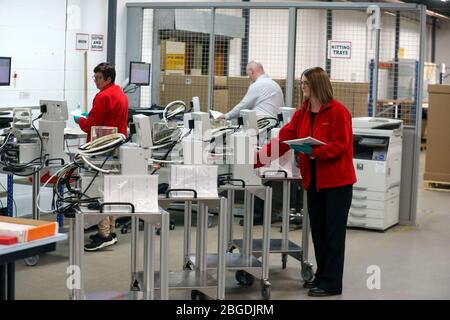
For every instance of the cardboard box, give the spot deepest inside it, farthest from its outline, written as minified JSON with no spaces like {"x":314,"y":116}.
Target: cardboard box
{"x":26,"y":230}
{"x":221,"y":101}
{"x":220,"y":82}
{"x":173,"y":57}
{"x":298,"y":94}
{"x":237,"y":88}
{"x":196,"y":72}
{"x":437,"y":162}
{"x":178,"y":87}
{"x":354,"y":96}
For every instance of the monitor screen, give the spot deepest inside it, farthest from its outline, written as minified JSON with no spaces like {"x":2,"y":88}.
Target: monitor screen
{"x":5,"y":71}
{"x":140,"y":73}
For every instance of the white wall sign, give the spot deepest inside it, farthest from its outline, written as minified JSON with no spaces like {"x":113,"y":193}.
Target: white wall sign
{"x":82,"y":41}
{"x":339,"y":49}
{"x":97,"y":42}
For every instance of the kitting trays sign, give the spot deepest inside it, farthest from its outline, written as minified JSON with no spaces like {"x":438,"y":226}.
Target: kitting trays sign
{"x":339,"y":49}
{"x":96,"y":42}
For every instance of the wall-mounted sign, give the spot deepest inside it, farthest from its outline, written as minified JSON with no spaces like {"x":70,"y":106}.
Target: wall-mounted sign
{"x":339,"y":49}
{"x":96,"y":42}
{"x":175,"y":61}
{"x":82,"y":41}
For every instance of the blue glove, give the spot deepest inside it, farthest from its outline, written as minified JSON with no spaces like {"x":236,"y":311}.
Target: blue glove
{"x":305,"y":148}
{"x":85,"y":114}
{"x":77,"y":118}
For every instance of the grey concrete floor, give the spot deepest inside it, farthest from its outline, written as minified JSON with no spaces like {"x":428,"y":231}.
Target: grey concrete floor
{"x":414,"y":262}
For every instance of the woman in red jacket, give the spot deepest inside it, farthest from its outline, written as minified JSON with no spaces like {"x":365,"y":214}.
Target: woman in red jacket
{"x":327,"y":173}
{"x":110,"y":105}
{"x":109,"y":108}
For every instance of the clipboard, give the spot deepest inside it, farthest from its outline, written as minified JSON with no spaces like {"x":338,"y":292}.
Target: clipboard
{"x":308,"y":140}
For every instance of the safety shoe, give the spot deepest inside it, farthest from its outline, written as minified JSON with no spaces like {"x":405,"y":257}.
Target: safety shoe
{"x":100,"y":242}
{"x":96,"y":235}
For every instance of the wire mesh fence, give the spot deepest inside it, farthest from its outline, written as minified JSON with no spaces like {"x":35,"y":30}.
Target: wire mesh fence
{"x":340,"y":41}
{"x":398,"y":67}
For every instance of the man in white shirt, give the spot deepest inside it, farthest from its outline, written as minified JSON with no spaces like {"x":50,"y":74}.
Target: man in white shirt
{"x":264,"y":95}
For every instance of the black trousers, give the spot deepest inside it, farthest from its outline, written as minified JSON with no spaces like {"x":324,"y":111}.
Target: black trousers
{"x":258,"y":206}
{"x":328,"y":212}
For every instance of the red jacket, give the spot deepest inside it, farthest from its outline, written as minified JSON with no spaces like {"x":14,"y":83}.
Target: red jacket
{"x":110,"y":108}
{"x":334,"y":161}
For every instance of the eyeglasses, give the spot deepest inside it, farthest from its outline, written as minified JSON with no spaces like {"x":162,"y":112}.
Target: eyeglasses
{"x":95,"y":78}
{"x":304,"y":83}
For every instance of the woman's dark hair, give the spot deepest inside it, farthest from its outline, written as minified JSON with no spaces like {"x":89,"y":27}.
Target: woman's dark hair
{"x":107,"y":70}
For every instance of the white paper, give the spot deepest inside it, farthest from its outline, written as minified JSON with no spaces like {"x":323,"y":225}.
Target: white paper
{"x":308,"y":140}
{"x":201,"y":178}
{"x":215,"y":114}
{"x":141,"y":191}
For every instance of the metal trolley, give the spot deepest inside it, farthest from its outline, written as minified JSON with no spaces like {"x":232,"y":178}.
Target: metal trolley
{"x":195,"y":274}
{"x":246,"y":265}
{"x":151,"y":219}
{"x":283,"y":245}
{"x":246,"y":262}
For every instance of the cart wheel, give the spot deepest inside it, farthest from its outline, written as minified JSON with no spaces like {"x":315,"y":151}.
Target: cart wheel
{"x":124,"y":230}
{"x":244,"y":278}
{"x":284,"y":258}
{"x":307,"y":272}
{"x":197,"y":295}
{"x":31,"y":261}
{"x":188,"y":266}
{"x":135,"y":286}
{"x":232,"y":248}
{"x":172,"y":226}
{"x":265,"y":289}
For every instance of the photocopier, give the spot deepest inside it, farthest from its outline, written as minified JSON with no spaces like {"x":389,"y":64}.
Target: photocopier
{"x":377,"y":149}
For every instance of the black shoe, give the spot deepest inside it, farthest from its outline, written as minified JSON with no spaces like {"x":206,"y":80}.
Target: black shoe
{"x":93,"y":236}
{"x":317,"y":292}
{"x":100,"y":242}
{"x":309,"y":284}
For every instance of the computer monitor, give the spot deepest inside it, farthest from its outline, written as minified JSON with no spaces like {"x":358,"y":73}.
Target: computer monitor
{"x":5,"y":71}
{"x":140,"y":73}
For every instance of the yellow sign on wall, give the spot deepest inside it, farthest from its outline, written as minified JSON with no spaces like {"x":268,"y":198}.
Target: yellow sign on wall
{"x":401,"y":53}
{"x":175,"y":61}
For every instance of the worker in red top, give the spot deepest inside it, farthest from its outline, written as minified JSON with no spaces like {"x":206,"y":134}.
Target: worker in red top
{"x":327,"y":173}
{"x":110,"y":108}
